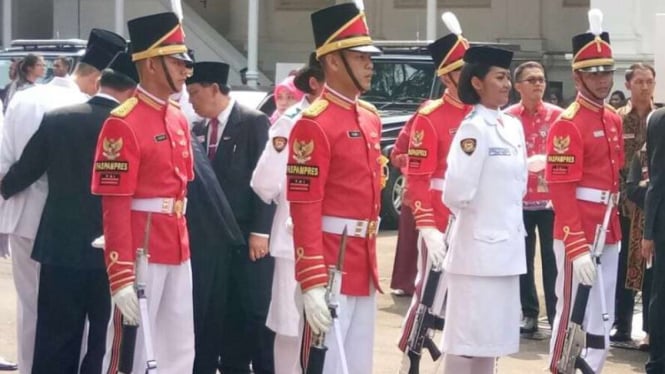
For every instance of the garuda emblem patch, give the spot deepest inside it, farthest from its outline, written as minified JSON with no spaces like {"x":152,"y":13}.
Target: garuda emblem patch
{"x":417,"y":138}
{"x":302,"y":151}
{"x":561,"y":144}
{"x":111,"y":148}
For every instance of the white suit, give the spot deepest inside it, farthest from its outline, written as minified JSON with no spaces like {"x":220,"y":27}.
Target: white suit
{"x":20,"y":215}
{"x":285,"y":314}
{"x":484,"y":186}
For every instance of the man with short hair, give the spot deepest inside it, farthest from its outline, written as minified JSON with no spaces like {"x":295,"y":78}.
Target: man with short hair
{"x":584,"y":156}
{"x":641,"y":82}
{"x":61,"y":66}
{"x":20,"y":215}
{"x":235,"y":137}
{"x":142,"y":166}
{"x":73,"y":285}
{"x":334,"y":179}
{"x":536,"y":117}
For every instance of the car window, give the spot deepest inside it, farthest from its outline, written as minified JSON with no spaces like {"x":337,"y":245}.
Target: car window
{"x":404,"y":82}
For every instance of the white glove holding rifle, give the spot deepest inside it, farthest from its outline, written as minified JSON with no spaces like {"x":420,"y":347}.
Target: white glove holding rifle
{"x":316,"y":310}
{"x":584,"y":269}
{"x":128,"y":304}
{"x":436,"y":247}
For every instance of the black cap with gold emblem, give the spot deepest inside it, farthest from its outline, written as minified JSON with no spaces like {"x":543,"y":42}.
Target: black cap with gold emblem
{"x":592,"y":51}
{"x":157,"y":35}
{"x":448,"y":51}
{"x":102,"y":47}
{"x":210,"y":72}
{"x":342,"y":26}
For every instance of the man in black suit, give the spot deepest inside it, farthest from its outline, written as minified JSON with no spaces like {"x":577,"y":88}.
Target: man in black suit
{"x":73,"y":284}
{"x":234,"y":139}
{"x":653,"y":242}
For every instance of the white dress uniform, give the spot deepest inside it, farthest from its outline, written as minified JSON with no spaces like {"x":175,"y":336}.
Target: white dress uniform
{"x":484,"y":186}
{"x":20,"y":215}
{"x":268,"y":181}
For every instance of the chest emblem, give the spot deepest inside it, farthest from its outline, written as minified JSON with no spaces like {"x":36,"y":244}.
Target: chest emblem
{"x":279,"y":143}
{"x":561,"y":144}
{"x":468,"y":145}
{"x":111,"y":148}
{"x":417,"y":138}
{"x":302,"y":151}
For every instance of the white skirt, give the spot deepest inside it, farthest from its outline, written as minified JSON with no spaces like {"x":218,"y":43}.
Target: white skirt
{"x":482,"y":315}
{"x":285,"y":313}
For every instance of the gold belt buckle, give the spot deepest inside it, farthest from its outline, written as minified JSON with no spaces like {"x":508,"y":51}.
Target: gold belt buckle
{"x":178,"y":208}
{"x":371,"y":229}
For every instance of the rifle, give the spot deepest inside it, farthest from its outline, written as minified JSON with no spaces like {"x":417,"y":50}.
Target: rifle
{"x":426,"y":322}
{"x":317,"y":351}
{"x":575,"y":340}
{"x":126,"y":361}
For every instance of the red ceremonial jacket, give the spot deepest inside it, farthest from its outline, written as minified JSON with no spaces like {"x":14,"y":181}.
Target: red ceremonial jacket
{"x":334,"y":170}
{"x":432,"y":131}
{"x":584,"y":149}
{"x":143,"y":151}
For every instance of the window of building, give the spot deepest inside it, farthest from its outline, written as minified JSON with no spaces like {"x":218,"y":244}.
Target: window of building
{"x":444,"y":3}
{"x":302,"y":4}
{"x":581,"y":3}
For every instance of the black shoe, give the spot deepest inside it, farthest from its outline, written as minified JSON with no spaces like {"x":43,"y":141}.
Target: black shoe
{"x":529,"y":325}
{"x":620,"y":337}
{"x":7,"y":366}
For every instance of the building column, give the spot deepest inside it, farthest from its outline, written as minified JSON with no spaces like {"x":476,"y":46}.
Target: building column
{"x":6,"y":23}
{"x":119,"y":24}
{"x":659,"y":55}
{"x":431,"y":18}
{"x":253,"y":43}
{"x":66,"y":19}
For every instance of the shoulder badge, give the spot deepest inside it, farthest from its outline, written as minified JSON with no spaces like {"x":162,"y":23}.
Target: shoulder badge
{"x":174,"y":103}
{"x":316,"y":108}
{"x":571,"y":111}
{"x":369,"y":106}
{"x":125,"y":108}
{"x":430,"y":106}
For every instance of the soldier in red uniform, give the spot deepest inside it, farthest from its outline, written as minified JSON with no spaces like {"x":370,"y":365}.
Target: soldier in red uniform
{"x":142,"y":166}
{"x":432,"y":131}
{"x":584,"y":155}
{"x":334,"y":177}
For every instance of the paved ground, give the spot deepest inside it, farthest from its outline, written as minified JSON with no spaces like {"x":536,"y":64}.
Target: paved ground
{"x":531,"y":358}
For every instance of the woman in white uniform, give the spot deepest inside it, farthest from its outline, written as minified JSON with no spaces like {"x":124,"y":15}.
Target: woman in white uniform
{"x":484,"y":186}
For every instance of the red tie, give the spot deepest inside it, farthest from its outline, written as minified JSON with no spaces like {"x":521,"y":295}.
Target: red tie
{"x":212,"y":141}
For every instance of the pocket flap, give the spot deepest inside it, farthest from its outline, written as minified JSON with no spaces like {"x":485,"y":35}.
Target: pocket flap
{"x":491,"y":236}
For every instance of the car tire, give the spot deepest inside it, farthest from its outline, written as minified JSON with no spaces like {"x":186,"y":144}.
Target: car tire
{"x":391,"y":199}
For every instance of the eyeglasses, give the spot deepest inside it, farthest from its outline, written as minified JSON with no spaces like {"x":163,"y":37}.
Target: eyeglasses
{"x":534,"y":80}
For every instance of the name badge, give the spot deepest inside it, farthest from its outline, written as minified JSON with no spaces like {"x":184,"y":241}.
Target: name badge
{"x":160,"y":137}
{"x":499,"y":151}
{"x":629,"y":136}
{"x":598,"y":134}
{"x":354,"y":134}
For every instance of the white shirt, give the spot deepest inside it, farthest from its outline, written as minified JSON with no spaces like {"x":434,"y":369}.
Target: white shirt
{"x":107,"y":96}
{"x":222,"y":119}
{"x":21,"y":214}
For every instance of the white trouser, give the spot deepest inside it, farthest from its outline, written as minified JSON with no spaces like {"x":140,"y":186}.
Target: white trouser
{"x":169,"y":293}
{"x":566,"y":289}
{"x":357,"y":316}
{"x":26,"y":281}
{"x":453,"y":364}
{"x":285,"y":317}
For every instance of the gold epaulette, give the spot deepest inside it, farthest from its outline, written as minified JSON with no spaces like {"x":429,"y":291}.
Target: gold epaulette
{"x":174,"y":103}
{"x":610,"y":108}
{"x":125,"y":108}
{"x":369,"y":106}
{"x":430,"y":106}
{"x":571,"y":111}
{"x":316,"y":108}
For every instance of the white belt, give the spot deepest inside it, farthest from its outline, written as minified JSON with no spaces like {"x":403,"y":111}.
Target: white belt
{"x":164,"y":205}
{"x":594,"y":195}
{"x":354,"y":227}
{"x":436,"y":184}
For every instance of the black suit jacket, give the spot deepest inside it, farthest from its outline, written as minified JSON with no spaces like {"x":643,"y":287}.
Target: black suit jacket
{"x":64,"y":148}
{"x":654,"y":206}
{"x":238,"y":151}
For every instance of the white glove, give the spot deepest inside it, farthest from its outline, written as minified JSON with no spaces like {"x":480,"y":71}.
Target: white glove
{"x":536,"y":163}
{"x":128,"y":303}
{"x":4,"y":245}
{"x":584,"y":269}
{"x":99,"y":242}
{"x":289,"y":225}
{"x":436,"y":248}
{"x":316,"y":310}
